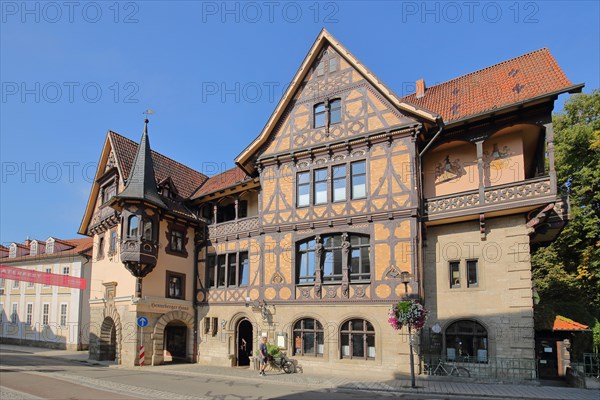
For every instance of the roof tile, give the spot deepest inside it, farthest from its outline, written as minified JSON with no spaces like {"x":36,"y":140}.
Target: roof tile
{"x":221,"y":181}
{"x":525,"y":77}
{"x":186,"y":179}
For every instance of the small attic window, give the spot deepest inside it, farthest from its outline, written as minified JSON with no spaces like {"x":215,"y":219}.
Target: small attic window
{"x":33,"y":249}
{"x":50,"y":246}
{"x":333,"y":62}
{"x":12,"y":250}
{"x":320,"y":69}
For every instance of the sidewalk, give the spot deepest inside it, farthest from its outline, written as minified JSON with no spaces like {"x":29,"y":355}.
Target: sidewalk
{"x":425,"y":385}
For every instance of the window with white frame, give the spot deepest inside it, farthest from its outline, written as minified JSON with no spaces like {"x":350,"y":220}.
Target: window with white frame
{"x":14,"y":315}
{"x":359,"y":179}
{"x":66,"y":270}
{"x":63,"y":314}
{"x":29,"y":314}
{"x":45,"y":314}
{"x":16,"y":284}
{"x":50,"y":246}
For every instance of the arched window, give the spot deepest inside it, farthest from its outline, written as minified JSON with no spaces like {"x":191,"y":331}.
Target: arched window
{"x":147,"y":230}
{"x":357,"y":339}
{"x":308,"y":337}
{"x":466,"y":339}
{"x":133,"y":224}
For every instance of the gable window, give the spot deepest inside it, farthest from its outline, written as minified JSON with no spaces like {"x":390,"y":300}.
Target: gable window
{"x":176,"y":241}
{"x":320,"y":186}
{"x":33,"y":249}
{"x":339,"y":183}
{"x":357,"y":339}
{"x":319,"y":115}
{"x":472,"y":280}
{"x":303,"y":189}
{"x":360,"y":265}
{"x":49,"y":246}
{"x":320,"y":69}
{"x":306,"y":261}
{"x":359,"y":179}
{"x":335,"y":113}
{"x":332,"y":65}
{"x":454,"y":267}
{"x":147,"y":230}
{"x":175,"y":285}
{"x":308,"y":338}
{"x":133,"y":223}
{"x":108,"y":192}
{"x":332,"y":262}
{"x":466,"y":339}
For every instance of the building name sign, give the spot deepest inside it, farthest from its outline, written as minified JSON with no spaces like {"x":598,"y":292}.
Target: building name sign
{"x":159,"y":307}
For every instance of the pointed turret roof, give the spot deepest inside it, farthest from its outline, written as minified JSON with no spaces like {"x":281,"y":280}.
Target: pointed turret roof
{"x":141,"y":183}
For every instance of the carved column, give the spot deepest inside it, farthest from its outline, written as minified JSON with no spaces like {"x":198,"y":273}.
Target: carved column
{"x":345,"y":267}
{"x":237,"y":203}
{"x":215,"y":207}
{"x":550,"y":149}
{"x":318,"y":257}
{"x":480,"y":171}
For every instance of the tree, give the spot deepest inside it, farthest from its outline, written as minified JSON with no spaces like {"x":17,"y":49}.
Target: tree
{"x":568,"y":271}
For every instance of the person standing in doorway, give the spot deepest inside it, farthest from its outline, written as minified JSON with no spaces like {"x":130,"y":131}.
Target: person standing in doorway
{"x":263,"y":355}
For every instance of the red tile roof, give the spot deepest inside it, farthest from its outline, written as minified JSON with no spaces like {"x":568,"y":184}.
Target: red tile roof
{"x":565,"y":324}
{"x":186,"y":180}
{"x":512,"y":81}
{"x":75,"y":246}
{"x":223,"y":180}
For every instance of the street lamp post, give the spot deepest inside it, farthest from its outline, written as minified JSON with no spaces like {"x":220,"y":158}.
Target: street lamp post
{"x":406,"y":279}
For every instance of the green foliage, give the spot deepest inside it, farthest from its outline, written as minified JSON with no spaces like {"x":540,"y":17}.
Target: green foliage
{"x":273,"y":350}
{"x":567,"y":272}
{"x":596,"y":339}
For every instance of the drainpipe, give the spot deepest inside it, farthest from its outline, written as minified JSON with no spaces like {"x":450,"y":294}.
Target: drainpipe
{"x":195,"y":303}
{"x":421,"y":256}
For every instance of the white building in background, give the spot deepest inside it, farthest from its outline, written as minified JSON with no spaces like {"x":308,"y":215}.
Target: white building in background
{"x":39,"y":314}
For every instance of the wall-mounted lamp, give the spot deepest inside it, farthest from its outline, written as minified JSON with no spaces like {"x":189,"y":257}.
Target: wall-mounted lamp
{"x":259,"y":305}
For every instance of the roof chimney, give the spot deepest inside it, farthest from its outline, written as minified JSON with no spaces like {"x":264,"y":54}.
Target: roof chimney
{"x":27,"y":241}
{"x":420,"y":88}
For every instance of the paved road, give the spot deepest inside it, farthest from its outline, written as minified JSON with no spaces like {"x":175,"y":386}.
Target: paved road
{"x":28,"y":376}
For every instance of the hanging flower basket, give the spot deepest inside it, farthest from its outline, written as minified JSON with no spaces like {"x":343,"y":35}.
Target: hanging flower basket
{"x":407,"y":313}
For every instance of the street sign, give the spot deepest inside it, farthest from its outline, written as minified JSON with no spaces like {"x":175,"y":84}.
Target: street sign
{"x":142,"y":322}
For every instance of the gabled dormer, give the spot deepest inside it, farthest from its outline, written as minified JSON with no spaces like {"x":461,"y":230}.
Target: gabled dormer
{"x":17,"y":250}
{"x":167,"y":188}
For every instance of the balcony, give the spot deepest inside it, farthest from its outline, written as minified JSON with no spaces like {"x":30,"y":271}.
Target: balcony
{"x":103,"y":217}
{"x":527,"y":193}
{"x":232,"y":228}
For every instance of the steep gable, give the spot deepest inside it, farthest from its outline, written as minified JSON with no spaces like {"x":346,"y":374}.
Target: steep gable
{"x":370,"y":104}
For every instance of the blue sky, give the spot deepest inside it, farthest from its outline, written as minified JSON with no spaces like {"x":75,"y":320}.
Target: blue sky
{"x":214,"y":72}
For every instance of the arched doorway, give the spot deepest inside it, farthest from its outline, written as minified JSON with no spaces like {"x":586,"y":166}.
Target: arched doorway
{"x":244,"y":342}
{"x":108,"y":340}
{"x":175,"y":346}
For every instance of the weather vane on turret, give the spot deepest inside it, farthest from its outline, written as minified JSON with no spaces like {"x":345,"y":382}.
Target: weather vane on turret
{"x":149,"y":112}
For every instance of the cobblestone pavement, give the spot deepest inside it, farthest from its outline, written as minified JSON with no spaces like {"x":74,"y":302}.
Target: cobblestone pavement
{"x":117,"y":379}
{"x":10,"y":394}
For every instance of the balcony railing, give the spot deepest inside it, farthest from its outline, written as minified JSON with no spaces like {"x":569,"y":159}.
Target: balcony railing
{"x":512,"y":195}
{"x":230,"y":228}
{"x":103,"y":213}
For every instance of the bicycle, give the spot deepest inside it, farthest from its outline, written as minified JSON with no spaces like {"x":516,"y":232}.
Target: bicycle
{"x":281,"y":363}
{"x":441,"y":370}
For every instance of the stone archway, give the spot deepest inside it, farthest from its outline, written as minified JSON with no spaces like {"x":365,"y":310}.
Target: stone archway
{"x":108,"y":339}
{"x":158,"y":334}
